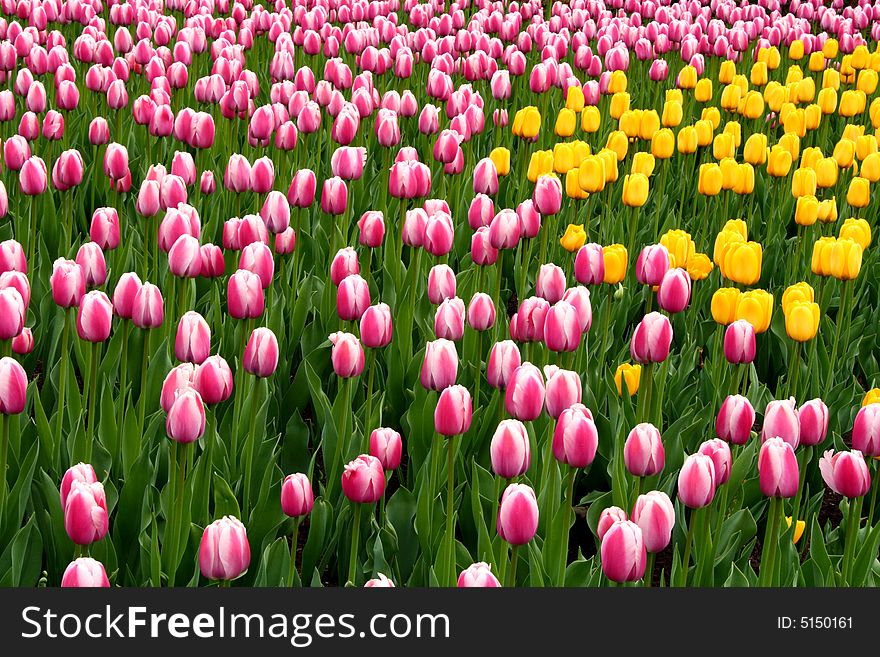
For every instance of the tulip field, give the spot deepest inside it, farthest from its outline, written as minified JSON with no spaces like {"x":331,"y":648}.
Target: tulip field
{"x":418,"y":293}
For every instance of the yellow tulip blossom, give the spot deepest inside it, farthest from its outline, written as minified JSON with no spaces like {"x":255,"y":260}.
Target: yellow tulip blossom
{"x":635,"y":190}
{"x":741,"y":262}
{"x":806,"y":210}
{"x":724,"y":304}
{"x":710,"y":179}
{"x":802,"y":291}
{"x":846,"y":259}
{"x":566,"y":121}
{"x":591,"y":174}
{"x":615,"y":259}
{"x":680,"y":246}
{"x":663,"y":144}
{"x":802,"y":320}
{"x":574,"y":237}
{"x":699,"y":266}
{"x":755,"y":149}
{"x":630,"y":375}
{"x":500,"y":157}
{"x":857,"y":230}
{"x":859,"y":193}
{"x":756,"y":307}
{"x":591,"y":118}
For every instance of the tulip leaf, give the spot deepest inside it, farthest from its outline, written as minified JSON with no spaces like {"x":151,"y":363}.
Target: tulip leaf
{"x":225,"y":503}
{"x":866,"y":557}
{"x":736,"y":578}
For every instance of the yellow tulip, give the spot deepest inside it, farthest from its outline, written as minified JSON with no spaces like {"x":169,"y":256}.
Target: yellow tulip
{"x":540,"y":163}
{"x":802,"y":291}
{"x":871,"y":397}
{"x":629,"y":123}
{"x":851,"y":103}
{"x":816,"y":62}
{"x":846,"y":259}
{"x":572,"y":188}
{"x":609,"y":158}
{"x":866,"y":81}
{"x":531,"y":123}
{"x":852,"y":132}
{"x":649,"y":124}
{"x":756,"y":307}
{"x":791,"y":143}
{"x":574,"y":237}
{"x":723,"y":146}
{"x":615,"y":258}
{"x":643,"y":163}
{"x":703,"y":90}
{"x":618,"y":82}
{"x":859,"y":193}
{"x":663,"y":144}
{"x":865,"y":146}
{"x":828,"y":210}
{"x":795,"y":122}
{"x":861,"y":57}
{"x":730,"y":97}
{"x":857,"y":230}
{"x":793,"y":75}
{"x":710,"y":180}
{"x":741,"y":262}
{"x":874,"y":113}
{"x":680,"y":245}
{"x":826,"y":172}
{"x":674,"y":96}
{"x":820,"y":263}
{"x":591,"y":174}
{"x":755,"y":149}
{"x":672,"y":114}
{"x":799,"y":528}
{"x":723,"y":240}
{"x":806,"y":90}
{"x":727,"y":71}
{"x":574,"y":99}
{"x":745,"y":181}
{"x":796,"y":50}
{"x":802,"y":320}
{"x":758,"y":75}
{"x":724,"y":304}
{"x":629,"y":374}
{"x":581,"y":150}
{"x":563,"y":157}
{"x":712,"y":115}
{"x":870,"y":170}
{"x":591,"y":118}
{"x":737,"y":226}
{"x":827,"y":100}
{"x":830,"y":78}
{"x":775,"y":95}
{"x":618,"y":143}
{"x":687,"y":77}
{"x":803,"y":183}
{"x":635,"y":190}
{"x":734,"y":129}
{"x":699,"y":266}
{"x":704,"y":132}
{"x":829,"y":49}
{"x":500,"y":157}
{"x":847,"y":72}
{"x":687,"y":140}
{"x":753,"y":107}
{"x":810,"y":157}
{"x":730,"y":173}
{"x":844,"y":153}
{"x":619,"y":104}
{"x":812,"y":117}
{"x":806,"y":210}
{"x":779,"y":162}
{"x":566,"y":121}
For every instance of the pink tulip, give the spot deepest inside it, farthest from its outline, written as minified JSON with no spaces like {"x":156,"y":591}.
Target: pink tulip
{"x":527,"y":325}
{"x":518,"y":514}
{"x":387,"y":446}
{"x":186,"y":417}
{"x":68,"y":170}
{"x":224,"y":551}
{"x":441,"y":284}
{"x":739,"y":342}
{"x":334,"y":196}
{"x":262,"y":175}
{"x":548,"y":195}
{"x":440,"y":365}
{"x":276,"y":212}
{"x":454,"y":411}
{"x":719,"y":452}
{"x":376,"y":326}
{"x":90,"y":258}
{"x":813,"y":422}
{"x":674,"y":293}
{"x":589,"y":265}
{"x":696,"y":481}
{"x":372,"y":228}
{"x":13,"y":387}
{"x":99,"y":131}
{"x":866,"y":430}
{"x":575,"y":438}
{"x":193,"y":341}
{"x":115,"y":161}
{"x":482,"y":252}
{"x":301,"y":193}
{"x":345,"y":263}
{"x":85,"y":572}
{"x":85,"y":513}
{"x":12,"y":258}
{"x":147,"y":310}
{"x":449,"y":319}
{"x":562,"y":328}
{"x":651,"y":339}
{"x":623,"y":553}
{"x":257,"y":258}
{"x":16,"y":151}
{"x":178,"y":379}
{"x":352,"y":298}
{"x":297,"y":498}
{"x":33,"y":176}
{"x":185,"y":257}
{"x":563,"y":390}
{"x":104,"y":228}
{"x":478,"y":575}
{"x":550,"y":284}
{"x":735,"y":420}
{"x":643,"y":452}
{"x":524,"y":397}
{"x":652,"y":264}
{"x":504,"y":359}
{"x":12,"y":312}
{"x":95,"y":316}
{"x":778,"y":468}
{"x":261,"y":353}
{"x":347,"y":354}
{"x":608,"y":518}
{"x":23,"y":343}
{"x":244,"y":295}
{"x":237,"y":177}
{"x":846,"y":473}
{"x":485,"y":177}
{"x":481,"y":312}
{"x":510,"y":451}
{"x":781,"y":420}
{"x":213,"y":380}
{"x":17,"y":281}
{"x":81,"y":472}
{"x":654,"y":513}
{"x":380,"y":582}
{"x":363,"y":480}
{"x":207,"y":184}
{"x":148,"y":202}
{"x":124,"y":294}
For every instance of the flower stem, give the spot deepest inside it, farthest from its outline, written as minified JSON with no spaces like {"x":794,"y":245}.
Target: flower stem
{"x":123,"y":383}
{"x":62,"y":378}
{"x":852,"y":531}
{"x":511,"y":575}
{"x":355,"y":536}
{"x":291,"y":572}
{"x":142,"y":396}
{"x":771,"y":540}
{"x":450,"y":499}
{"x":93,"y":393}
{"x":249,"y":454}
{"x":686,"y":559}
{"x":4,"y":450}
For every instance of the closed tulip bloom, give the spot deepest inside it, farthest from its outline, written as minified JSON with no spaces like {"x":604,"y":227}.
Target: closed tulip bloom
{"x":376,"y":326}
{"x":177,"y":380}
{"x":547,"y":195}
{"x":13,"y":387}
{"x":91,"y":260}
{"x":652,"y":264}
{"x":12,"y":312}
{"x":441,"y":284}
{"x":866,"y":430}
{"x":846,"y":473}
{"x":510,"y":450}
{"x":68,"y":283}
{"x":651,"y":339}
{"x":23,"y":343}
{"x":352,"y":298}
{"x":85,"y":512}
{"x":449,"y":319}
{"x":372,"y":228}
{"x":527,"y":325}
{"x":643,"y":452}
{"x":244,"y":295}
{"x":276,"y":212}
{"x":85,"y":572}
{"x":629,"y":375}
{"x":186,"y":417}
{"x":524,"y":397}
{"x":33,"y":177}
{"x":104,"y":229}
{"x":301,"y":193}
{"x":756,"y":307}
{"x":562,"y":328}
{"x":739,"y":342}
{"x":478,"y":575}
{"x":224,"y":551}
{"x":589,"y":265}
{"x":504,"y":359}
{"x":608,"y":518}
{"x":575,"y":437}
{"x":781,"y":421}
{"x":454,"y":411}
{"x":802,"y":321}
{"x":778,"y":469}
{"x":334,"y":196}
{"x":654,"y":513}
{"x":518,"y":514}
{"x":481,"y":312}
{"x":482,"y":251}
{"x":297,"y":498}
{"x":94,"y":317}
{"x":347,"y":354}
{"x":551,"y":283}
{"x":99,"y":131}
{"x":813,"y":422}
{"x":562,"y":390}
{"x":505,"y":230}
{"x":674,"y":293}
{"x":719,"y":451}
{"x":696,"y":481}
{"x":261,"y":353}
{"x":344,"y":263}
{"x":735,"y":420}
{"x":623,"y":553}
{"x":387,"y":446}
{"x":485,"y":177}
{"x":213,"y":380}
{"x":124,"y":294}
{"x":363,"y":480}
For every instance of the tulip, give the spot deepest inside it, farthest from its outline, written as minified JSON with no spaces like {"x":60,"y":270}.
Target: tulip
{"x":630,"y":375}
{"x":504,"y":359}
{"x":449,"y":319}
{"x":85,"y":513}
{"x":12,"y":312}
{"x":67,"y":282}
{"x":124,"y":294}
{"x":697,"y":481}
{"x":866,"y":430}
{"x":777,"y":468}
{"x":781,"y":421}
{"x":674,"y":293}
{"x":244,"y":295}
{"x":372,"y":228}
{"x":213,"y":380}
{"x":651,"y":339}
{"x":652,"y":264}
{"x":352,"y":298}
{"x":509,"y":450}
{"x":13,"y":387}
{"x":186,"y":417}
{"x":94,"y":317}
{"x":846,"y":473}
{"x":654,"y":513}
{"x":478,"y":575}
{"x":518,"y":514}
{"x":813,"y":422}
{"x":261,"y":353}
{"x":363,"y":480}
{"x":23,"y":343}
{"x":575,"y":437}
{"x":562,"y":327}
{"x":643,"y":452}
{"x":347,"y":355}
{"x":387,"y":446}
{"x":85,"y":572}
{"x":623,"y":553}
{"x":548,"y":195}
{"x":104,"y":229}
{"x":481,"y":312}
{"x":441,"y":284}
{"x":719,"y":452}
{"x":380,"y":582}
{"x":297,"y":498}
{"x":735,"y":420}
{"x":739,"y":342}
{"x":33,"y":177}
{"x":524,"y":396}
{"x":375,"y":326}
{"x":550,"y":284}
{"x":177,"y":380}
{"x":607,"y":518}
{"x":301,"y":193}
{"x":224,"y":551}
{"x":453,"y":413}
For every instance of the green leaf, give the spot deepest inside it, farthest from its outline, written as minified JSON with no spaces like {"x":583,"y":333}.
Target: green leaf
{"x":225,"y":503}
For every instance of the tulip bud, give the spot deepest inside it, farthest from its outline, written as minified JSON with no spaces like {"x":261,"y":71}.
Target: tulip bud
{"x":124,"y":294}
{"x":94,"y":317}
{"x":719,"y":452}
{"x":739,"y":342}
{"x":68,"y":283}
{"x":813,"y":422}
{"x":481,"y":312}
{"x":735,"y":420}
{"x":387,"y":446}
{"x":655,"y":515}
{"x":478,"y":575}
{"x":380,"y":582}
{"x":777,"y":468}
{"x":297,"y":498}
{"x":696,"y":481}
{"x":147,"y":310}
{"x":781,"y":421}
{"x":524,"y":397}
{"x":85,"y":572}
{"x":347,"y":354}
{"x":375,"y":326}
{"x":510,"y":450}
{"x":652,"y":264}
{"x":643,"y":452}
{"x":866,"y":430}
{"x":504,"y":359}
{"x":363,"y":480}
{"x":674,"y":293}
{"x":23,"y":343}
{"x":454,"y":411}
{"x":440,"y":365}
{"x":623,"y":553}
{"x":609,"y":517}
{"x":186,"y":417}
{"x":846,"y":473}
{"x":85,"y":513}
{"x":562,"y":390}
{"x":224,"y":551}
{"x":589,"y":265}
{"x":651,"y":339}
{"x":244,"y":296}
{"x":104,"y":229}
{"x":518,"y":514}
{"x":575,"y":438}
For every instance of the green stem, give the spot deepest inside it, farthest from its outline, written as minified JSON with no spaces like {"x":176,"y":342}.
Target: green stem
{"x":371,"y":364}
{"x":873,"y":503}
{"x":179,"y":452}
{"x":563,"y":543}
{"x":514,"y":558}
{"x":345,"y":384}
{"x":142,"y":396}
{"x":123,"y":383}
{"x":771,"y":541}
{"x":291,"y":572}
{"x":93,"y":393}
{"x":62,"y":377}
{"x":795,"y":368}
{"x":249,"y":454}
{"x":355,"y":536}
{"x":4,"y":451}
{"x":841,"y":313}
{"x":450,"y":500}
{"x":649,"y":570}
{"x":686,"y":559}
{"x":853,"y":521}
{"x":238,"y":386}
{"x":803,"y":464}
